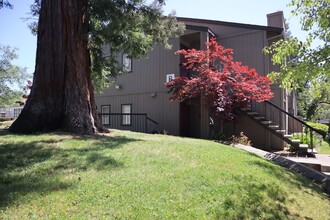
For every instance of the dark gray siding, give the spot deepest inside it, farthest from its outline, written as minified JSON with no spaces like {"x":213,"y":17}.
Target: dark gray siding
{"x":145,"y":88}
{"x":247,"y":49}
{"x":148,"y":73}
{"x":158,"y":108}
{"x":247,"y":45}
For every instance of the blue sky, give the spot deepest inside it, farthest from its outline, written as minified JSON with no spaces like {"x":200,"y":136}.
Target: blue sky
{"x":15,"y":32}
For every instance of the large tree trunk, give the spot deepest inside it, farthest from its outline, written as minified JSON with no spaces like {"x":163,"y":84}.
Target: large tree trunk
{"x":62,"y":95}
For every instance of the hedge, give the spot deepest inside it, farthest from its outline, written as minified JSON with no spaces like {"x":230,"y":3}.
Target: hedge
{"x":321,"y":128}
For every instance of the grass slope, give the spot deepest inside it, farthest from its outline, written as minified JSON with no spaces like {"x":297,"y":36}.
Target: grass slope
{"x":325,"y":148}
{"x":139,"y":176}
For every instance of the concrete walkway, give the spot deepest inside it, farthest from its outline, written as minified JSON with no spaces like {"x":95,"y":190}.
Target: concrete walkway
{"x":321,"y":162}
{"x":293,"y":163}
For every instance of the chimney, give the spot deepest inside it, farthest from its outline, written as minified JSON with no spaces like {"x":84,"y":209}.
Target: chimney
{"x":276,"y":19}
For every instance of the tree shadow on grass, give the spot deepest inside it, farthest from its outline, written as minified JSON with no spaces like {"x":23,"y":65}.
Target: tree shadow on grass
{"x":286,"y":175}
{"x":251,"y":200}
{"x":39,"y":164}
{"x":255,"y":199}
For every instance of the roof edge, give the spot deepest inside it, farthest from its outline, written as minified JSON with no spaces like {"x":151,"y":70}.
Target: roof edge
{"x":200,"y":28}
{"x":232,"y":24}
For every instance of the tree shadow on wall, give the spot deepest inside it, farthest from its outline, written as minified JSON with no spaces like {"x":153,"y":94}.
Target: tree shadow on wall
{"x":28,"y":166}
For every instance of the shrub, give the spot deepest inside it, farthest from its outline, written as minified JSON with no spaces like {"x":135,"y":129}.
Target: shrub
{"x":241,"y":139}
{"x":306,"y":139}
{"x":321,"y":128}
{"x":220,"y":137}
{"x":164,"y":132}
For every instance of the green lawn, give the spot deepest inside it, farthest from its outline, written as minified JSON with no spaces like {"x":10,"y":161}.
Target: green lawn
{"x":131,"y":175}
{"x":324,"y":148}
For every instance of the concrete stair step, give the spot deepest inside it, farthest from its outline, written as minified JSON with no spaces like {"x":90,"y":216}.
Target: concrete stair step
{"x":327,"y":173}
{"x":260,"y":118}
{"x":298,"y":133}
{"x":280,"y":131}
{"x":288,"y":135}
{"x":273,"y":126}
{"x":325,"y":168}
{"x":313,"y":151}
{"x":305,"y":146}
{"x":315,"y":166}
{"x":252,"y":113}
{"x":296,"y":140}
{"x":266,"y":122}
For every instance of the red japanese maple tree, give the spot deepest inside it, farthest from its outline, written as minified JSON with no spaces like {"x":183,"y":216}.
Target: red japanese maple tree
{"x":222,"y":83}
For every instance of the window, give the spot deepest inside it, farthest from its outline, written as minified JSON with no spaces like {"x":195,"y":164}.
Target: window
{"x":105,"y":109}
{"x":127,"y":63}
{"x":17,"y":111}
{"x":126,"y":110}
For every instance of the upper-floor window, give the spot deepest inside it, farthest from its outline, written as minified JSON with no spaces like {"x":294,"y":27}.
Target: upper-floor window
{"x":127,"y":63}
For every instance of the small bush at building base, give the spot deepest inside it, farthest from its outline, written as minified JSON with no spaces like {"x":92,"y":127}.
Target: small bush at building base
{"x":321,"y":128}
{"x":306,"y":139}
{"x":220,"y":137}
{"x":241,"y":139}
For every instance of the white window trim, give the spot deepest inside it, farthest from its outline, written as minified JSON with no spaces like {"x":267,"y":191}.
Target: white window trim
{"x":126,"y":119}
{"x":127,"y":63}
{"x":106,"y":118}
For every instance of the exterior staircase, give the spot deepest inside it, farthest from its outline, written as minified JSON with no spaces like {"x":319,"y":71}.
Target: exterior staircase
{"x":283,"y":125}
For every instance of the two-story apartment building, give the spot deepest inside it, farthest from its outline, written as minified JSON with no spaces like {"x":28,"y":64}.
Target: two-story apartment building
{"x":143,"y":90}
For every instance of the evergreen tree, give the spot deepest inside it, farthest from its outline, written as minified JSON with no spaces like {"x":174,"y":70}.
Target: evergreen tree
{"x":71,"y":34}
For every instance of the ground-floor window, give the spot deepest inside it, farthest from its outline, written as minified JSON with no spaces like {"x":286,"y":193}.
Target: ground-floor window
{"x":126,"y":110}
{"x":105,"y":109}
{"x":17,"y":111}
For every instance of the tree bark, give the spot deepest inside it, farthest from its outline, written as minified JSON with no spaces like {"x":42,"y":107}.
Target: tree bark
{"x":62,"y":95}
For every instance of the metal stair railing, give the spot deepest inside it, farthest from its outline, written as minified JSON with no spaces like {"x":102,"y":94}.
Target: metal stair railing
{"x":139,"y":122}
{"x":293,"y":124}
{"x":155,"y":124}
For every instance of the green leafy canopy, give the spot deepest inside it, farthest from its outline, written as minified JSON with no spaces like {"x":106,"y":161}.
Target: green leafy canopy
{"x":121,"y":26}
{"x":299,"y":61}
{"x":304,"y":66}
{"x":132,"y":27}
{"x":5,"y":3}
{"x":11,"y":77}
